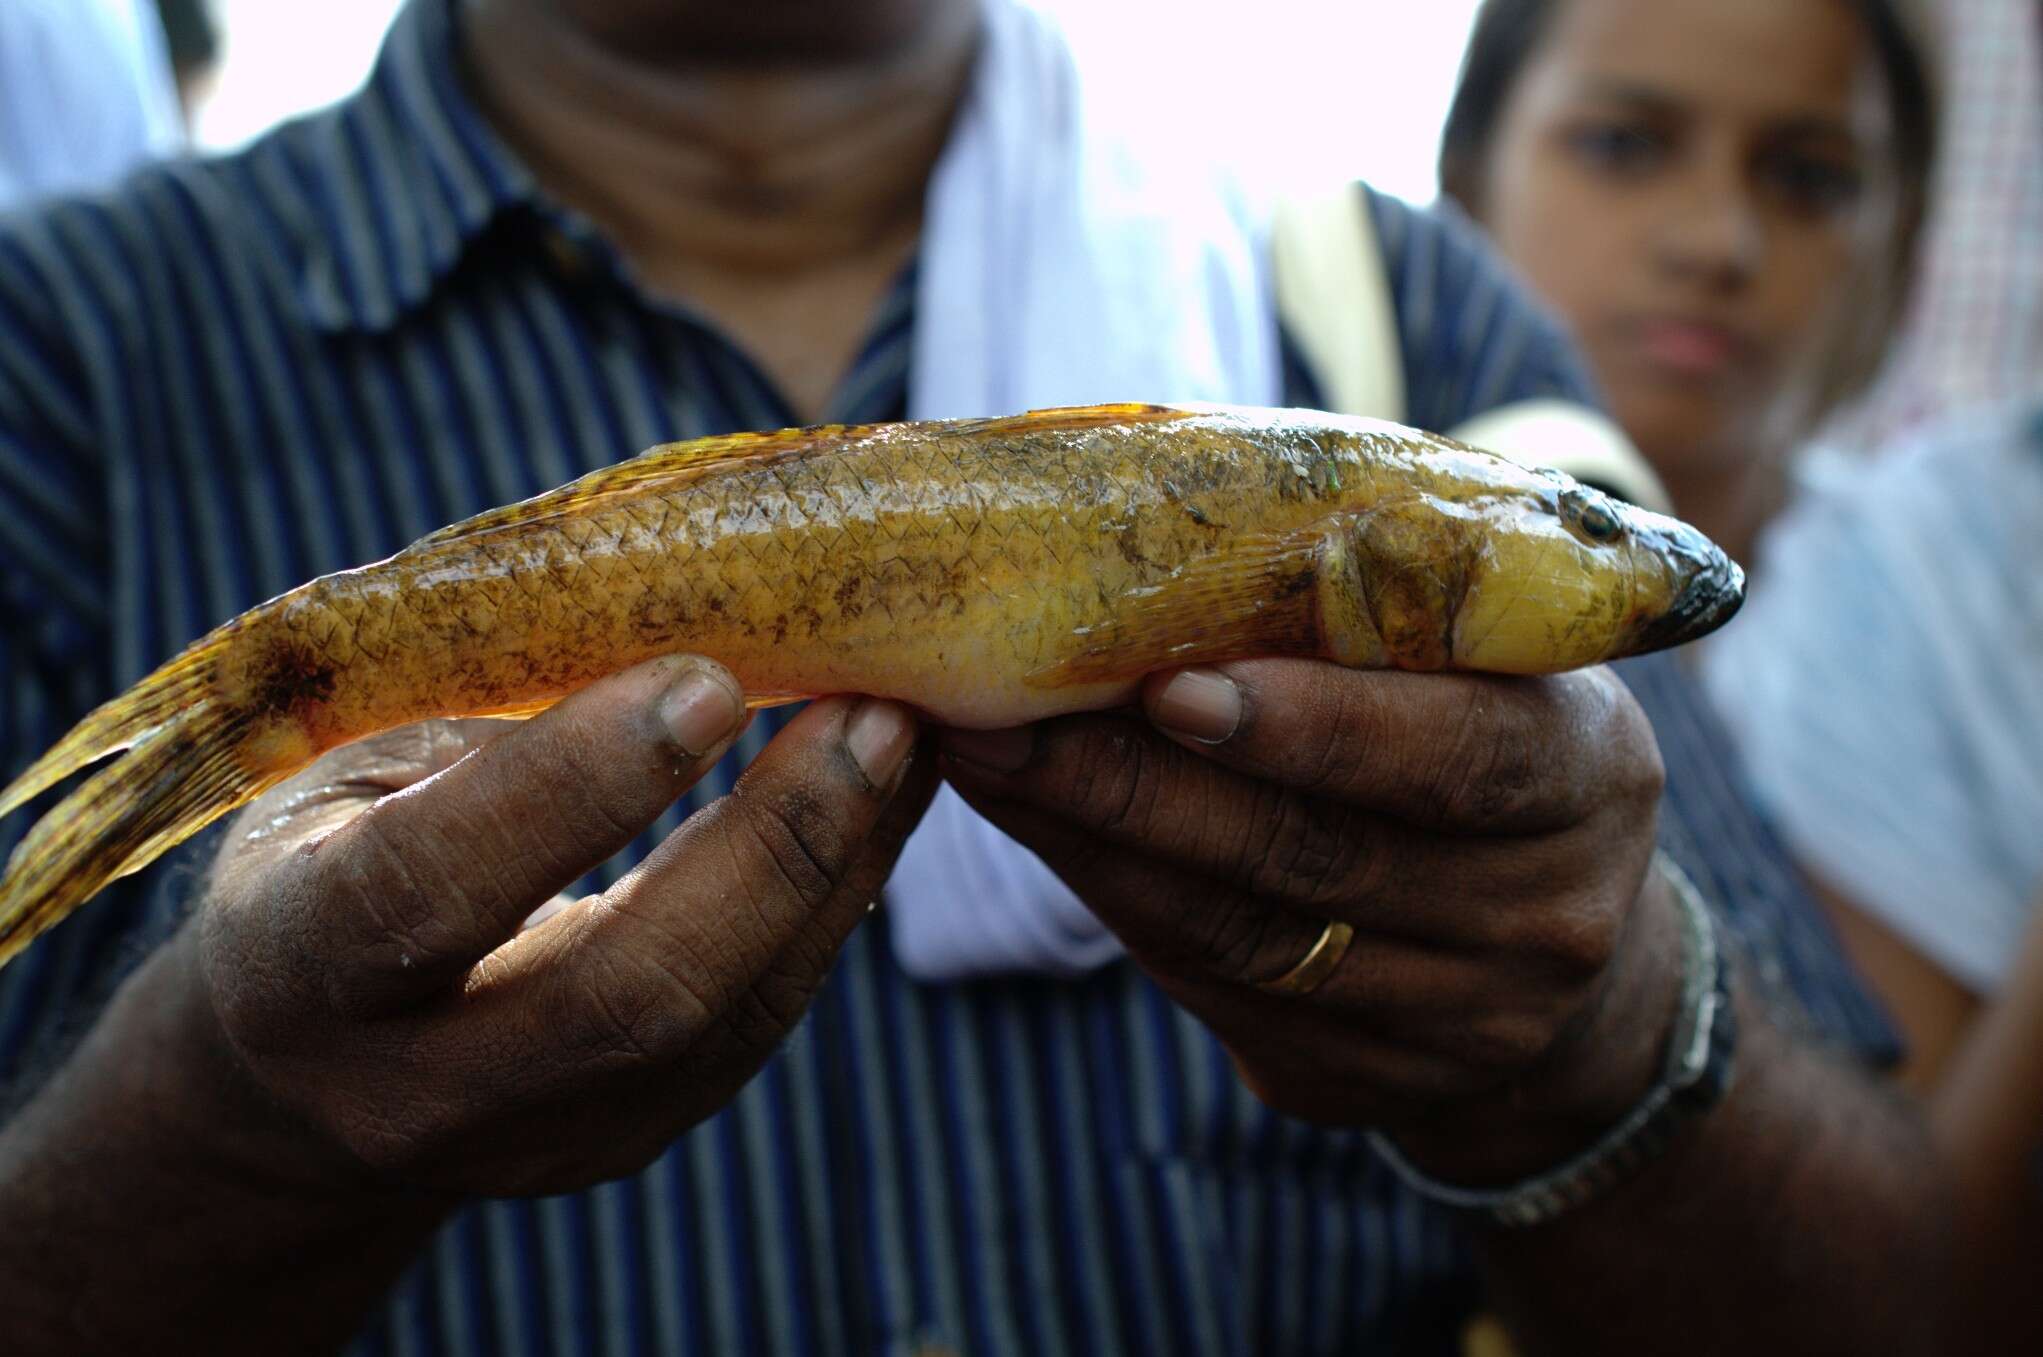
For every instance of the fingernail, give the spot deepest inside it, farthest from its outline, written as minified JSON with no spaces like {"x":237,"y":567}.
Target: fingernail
{"x":1001,"y":750}
{"x":699,"y":711}
{"x":879,"y":735}
{"x":1201,"y":703}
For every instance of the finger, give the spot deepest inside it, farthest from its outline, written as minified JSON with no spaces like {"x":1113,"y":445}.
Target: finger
{"x":768,"y":878}
{"x":1457,"y":752}
{"x":528,"y":1078}
{"x":1394,"y":1008}
{"x":1175,"y":921}
{"x":1128,"y":788}
{"x":402,"y":900}
{"x":735,"y":1048}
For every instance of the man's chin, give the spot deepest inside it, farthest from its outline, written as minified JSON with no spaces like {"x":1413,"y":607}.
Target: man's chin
{"x":778,"y":34}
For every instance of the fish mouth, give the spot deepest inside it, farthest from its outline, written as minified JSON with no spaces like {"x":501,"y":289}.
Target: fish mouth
{"x":1711,"y":597}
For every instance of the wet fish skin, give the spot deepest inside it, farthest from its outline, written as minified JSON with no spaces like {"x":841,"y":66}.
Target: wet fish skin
{"x":987,"y":572}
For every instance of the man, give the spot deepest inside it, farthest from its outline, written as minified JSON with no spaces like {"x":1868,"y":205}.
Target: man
{"x":459,"y":288}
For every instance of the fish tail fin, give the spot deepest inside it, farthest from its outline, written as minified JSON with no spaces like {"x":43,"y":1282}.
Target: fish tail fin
{"x":144,"y":709}
{"x":183,"y":765}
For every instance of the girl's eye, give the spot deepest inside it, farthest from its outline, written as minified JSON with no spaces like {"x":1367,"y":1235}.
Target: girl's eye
{"x":1621,"y":149}
{"x":1808,"y":184}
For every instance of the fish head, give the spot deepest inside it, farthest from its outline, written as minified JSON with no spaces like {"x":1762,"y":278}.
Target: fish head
{"x":1560,"y":575}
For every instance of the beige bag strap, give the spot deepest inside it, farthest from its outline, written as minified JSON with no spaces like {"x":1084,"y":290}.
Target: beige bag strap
{"x":1333,"y":296}
{"x":1568,"y":437}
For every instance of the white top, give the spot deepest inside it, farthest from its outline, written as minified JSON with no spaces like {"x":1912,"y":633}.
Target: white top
{"x":85,"y":95}
{"x":1068,"y":257}
{"x":1886,"y":685}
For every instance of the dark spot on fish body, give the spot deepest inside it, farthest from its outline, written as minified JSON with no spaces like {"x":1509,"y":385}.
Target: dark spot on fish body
{"x":850,"y":597}
{"x":292,"y":680}
{"x":807,"y":618}
{"x":1129,"y":542}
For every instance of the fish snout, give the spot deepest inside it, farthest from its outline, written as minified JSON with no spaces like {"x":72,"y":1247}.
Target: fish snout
{"x":1708,"y":589}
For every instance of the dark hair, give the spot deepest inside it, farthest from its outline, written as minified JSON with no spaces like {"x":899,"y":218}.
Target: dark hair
{"x":1506,"y":33}
{"x":193,"y":35}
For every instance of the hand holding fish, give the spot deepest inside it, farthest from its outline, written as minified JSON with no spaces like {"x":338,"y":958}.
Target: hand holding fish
{"x":368,"y":971}
{"x":1507,"y":990}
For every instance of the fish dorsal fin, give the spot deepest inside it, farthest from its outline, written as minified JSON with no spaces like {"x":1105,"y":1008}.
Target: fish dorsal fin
{"x":670,"y":464}
{"x":674,"y":464}
{"x":1072,"y":417}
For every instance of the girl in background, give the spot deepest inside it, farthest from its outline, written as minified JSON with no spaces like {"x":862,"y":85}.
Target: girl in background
{"x":1719,"y":197}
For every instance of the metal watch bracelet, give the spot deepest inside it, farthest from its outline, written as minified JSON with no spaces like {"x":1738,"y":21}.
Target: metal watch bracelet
{"x":1693,"y":1078}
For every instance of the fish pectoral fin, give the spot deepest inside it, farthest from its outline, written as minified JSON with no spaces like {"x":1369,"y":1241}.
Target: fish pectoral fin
{"x":669,"y":464}
{"x":1253,"y":598}
{"x":1412,"y":577}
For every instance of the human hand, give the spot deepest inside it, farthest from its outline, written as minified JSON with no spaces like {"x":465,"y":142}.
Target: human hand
{"x":1513,"y":969}
{"x":360,"y":942}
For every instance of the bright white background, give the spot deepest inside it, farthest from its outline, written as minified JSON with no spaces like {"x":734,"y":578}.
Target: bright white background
{"x":1293,"y":91}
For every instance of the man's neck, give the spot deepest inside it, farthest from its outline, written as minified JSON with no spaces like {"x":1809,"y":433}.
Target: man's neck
{"x":780,"y":195}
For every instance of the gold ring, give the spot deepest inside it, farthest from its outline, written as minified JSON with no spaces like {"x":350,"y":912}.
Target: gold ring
{"x":1317,"y":965}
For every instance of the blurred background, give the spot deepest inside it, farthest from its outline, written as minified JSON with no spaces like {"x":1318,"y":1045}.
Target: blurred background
{"x":1291,"y":82}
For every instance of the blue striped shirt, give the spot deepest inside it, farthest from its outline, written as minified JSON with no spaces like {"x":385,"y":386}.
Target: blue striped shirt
{"x":232,"y":375}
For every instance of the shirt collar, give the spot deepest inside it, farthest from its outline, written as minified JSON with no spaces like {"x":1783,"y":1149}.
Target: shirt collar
{"x":401,"y":180}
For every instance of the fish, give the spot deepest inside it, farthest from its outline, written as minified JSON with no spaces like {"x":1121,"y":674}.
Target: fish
{"x":987,"y":572}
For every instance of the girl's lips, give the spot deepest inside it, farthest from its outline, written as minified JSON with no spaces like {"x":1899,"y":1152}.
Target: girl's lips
{"x":1687,"y":348}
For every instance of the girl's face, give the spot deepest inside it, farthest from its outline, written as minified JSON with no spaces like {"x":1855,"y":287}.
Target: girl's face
{"x":1691,"y":184}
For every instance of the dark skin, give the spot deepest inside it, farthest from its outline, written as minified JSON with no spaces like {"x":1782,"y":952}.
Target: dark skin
{"x":1720,"y":163}
{"x":1696,"y":186}
{"x":1988,"y":1116}
{"x":352,"y":1036}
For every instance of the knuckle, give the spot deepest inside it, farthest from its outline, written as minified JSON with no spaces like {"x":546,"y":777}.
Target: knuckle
{"x":1354,"y":716}
{"x":1314,"y":852}
{"x":799,"y":837}
{"x":614,"y":1010}
{"x":1490,"y":770}
{"x":388,"y":887}
{"x":1580,"y":942}
{"x":397,"y":1140}
{"x":1621,"y":733}
{"x":581,"y":777}
{"x":1113,"y":782}
{"x":759,"y":1017}
{"x":1405,"y":1079}
{"x":1641,"y":769}
{"x":1505,"y":1042}
{"x":1238,"y":941}
{"x":1571,"y":940}
{"x":248,"y":1011}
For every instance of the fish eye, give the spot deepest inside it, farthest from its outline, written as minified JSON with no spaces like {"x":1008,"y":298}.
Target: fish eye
{"x":1598,"y":521}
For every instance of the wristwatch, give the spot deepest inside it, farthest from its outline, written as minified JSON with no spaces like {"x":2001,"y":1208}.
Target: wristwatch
{"x":1694,"y":1078}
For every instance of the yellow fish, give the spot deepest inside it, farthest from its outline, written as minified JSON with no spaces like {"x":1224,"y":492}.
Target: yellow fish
{"x":988,"y":572}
